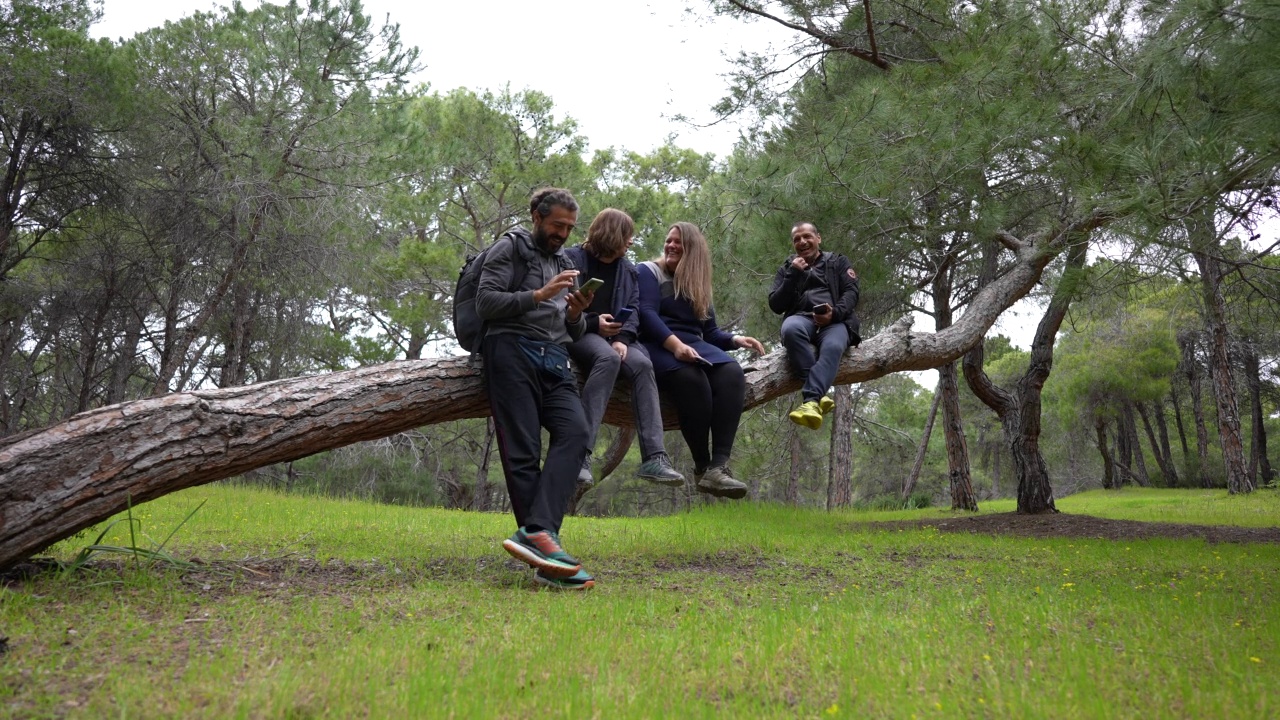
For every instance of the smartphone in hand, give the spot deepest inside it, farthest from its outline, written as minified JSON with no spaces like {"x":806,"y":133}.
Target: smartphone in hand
{"x":591,"y":285}
{"x":623,"y":314}
{"x":823,"y":309}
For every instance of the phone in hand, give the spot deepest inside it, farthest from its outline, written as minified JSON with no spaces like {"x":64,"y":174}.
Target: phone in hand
{"x":623,"y":314}
{"x":823,"y":309}
{"x":591,"y":285}
{"x":704,"y":361}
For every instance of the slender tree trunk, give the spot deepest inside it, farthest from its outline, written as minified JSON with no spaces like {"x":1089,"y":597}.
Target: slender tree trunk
{"x":484,"y":490}
{"x":1129,"y":427}
{"x":997,"y":460}
{"x":1259,"y":465}
{"x":1162,"y":427}
{"x":1109,"y":479}
{"x":909,"y":483}
{"x":840,"y":469}
{"x":1191,"y":365}
{"x":1176,"y":402}
{"x":796,"y":451}
{"x":1206,"y":248}
{"x":1168,"y":475}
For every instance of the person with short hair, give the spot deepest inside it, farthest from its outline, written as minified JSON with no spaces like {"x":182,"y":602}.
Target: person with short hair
{"x":678,"y":327}
{"x":609,"y":345}
{"x":529,"y":324}
{"x":816,"y":292}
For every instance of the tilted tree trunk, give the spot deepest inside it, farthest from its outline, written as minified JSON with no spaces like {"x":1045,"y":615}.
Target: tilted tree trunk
{"x":1133,"y":448}
{"x":1162,"y":427}
{"x":1109,"y":479}
{"x":58,"y":480}
{"x":909,"y":483}
{"x":840,"y":468}
{"x":1019,"y":410}
{"x":1169,"y":475}
{"x":1191,"y":366}
{"x":1205,"y":250}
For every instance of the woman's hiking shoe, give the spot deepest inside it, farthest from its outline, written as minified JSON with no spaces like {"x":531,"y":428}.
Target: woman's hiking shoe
{"x":826,"y":404}
{"x":581,"y":581}
{"x":807,"y":415}
{"x":542,"y":551}
{"x":720,"y":482}
{"x":658,"y":469}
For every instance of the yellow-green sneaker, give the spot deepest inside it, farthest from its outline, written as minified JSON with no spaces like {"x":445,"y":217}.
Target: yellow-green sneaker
{"x":826,"y":404}
{"x":808,"y":415}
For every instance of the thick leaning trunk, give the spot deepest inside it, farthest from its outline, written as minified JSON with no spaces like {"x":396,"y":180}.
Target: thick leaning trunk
{"x":58,"y":480}
{"x":1019,"y":410}
{"x":1206,"y":248}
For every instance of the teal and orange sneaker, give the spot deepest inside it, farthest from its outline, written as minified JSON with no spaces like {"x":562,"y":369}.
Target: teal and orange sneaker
{"x":542,"y":551}
{"x":581,"y":581}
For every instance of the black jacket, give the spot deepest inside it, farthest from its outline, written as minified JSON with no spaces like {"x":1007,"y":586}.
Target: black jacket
{"x":625,"y":294}
{"x":787,"y":295}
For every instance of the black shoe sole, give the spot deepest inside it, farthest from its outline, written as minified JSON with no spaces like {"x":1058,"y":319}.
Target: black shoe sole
{"x":731,"y":494}
{"x":669,"y":482}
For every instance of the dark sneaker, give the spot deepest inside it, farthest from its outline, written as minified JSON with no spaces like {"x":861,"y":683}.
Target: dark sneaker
{"x":826,"y":404}
{"x":807,"y":415}
{"x":542,"y":551}
{"x":720,"y":482}
{"x":658,"y":469}
{"x":584,"y":475}
{"x":581,"y":581}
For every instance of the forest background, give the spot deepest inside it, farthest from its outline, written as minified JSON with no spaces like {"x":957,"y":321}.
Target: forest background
{"x":259,"y":193}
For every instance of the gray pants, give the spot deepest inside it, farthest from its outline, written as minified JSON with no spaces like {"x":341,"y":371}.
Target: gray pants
{"x":597,"y":358}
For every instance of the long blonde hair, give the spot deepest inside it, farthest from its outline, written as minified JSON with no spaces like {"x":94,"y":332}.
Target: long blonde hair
{"x":693,"y":274}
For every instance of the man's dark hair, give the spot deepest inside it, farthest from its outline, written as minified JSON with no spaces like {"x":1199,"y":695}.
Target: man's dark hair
{"x":544,"y":199}
{"x":802,"y":223}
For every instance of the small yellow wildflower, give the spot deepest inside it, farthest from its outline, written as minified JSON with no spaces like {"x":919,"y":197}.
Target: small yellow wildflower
{"x":1255,"y":660}
{"x":833,"y":709}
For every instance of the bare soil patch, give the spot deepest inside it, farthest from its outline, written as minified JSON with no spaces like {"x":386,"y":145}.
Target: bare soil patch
{"x":1065,"y":525}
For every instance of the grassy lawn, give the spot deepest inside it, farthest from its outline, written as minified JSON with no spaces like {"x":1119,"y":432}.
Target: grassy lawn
{"x":303,"y":607}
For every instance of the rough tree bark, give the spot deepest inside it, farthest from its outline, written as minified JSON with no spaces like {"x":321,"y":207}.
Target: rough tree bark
{"x":1019,"y":409}
{"x":58,"y":480}
{"x":840,"y":468}
{"x":1109,"y":479}
{"x":1205,"y":246}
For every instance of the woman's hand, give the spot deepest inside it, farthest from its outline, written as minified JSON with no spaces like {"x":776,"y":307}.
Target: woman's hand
{"x":607,"y":327}
{"x":686,"y":353}
{"x":744,"y":341}
{"x":621,"y":349}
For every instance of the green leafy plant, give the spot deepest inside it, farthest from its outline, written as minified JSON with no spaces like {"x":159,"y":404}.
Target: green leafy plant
{"x":155,"y":555}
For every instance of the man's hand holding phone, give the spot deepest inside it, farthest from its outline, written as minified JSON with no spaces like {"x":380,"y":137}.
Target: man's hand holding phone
{"x":822,"y":314}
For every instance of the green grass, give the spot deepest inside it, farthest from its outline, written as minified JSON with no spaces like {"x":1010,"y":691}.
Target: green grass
{"x":322,"y":608}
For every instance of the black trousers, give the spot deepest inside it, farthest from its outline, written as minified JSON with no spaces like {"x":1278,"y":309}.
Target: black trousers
{"x":708,"y":401}
{"x":527,"y":393}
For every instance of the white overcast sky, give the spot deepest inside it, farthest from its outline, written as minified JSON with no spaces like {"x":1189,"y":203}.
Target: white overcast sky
{"x":621,"y":68}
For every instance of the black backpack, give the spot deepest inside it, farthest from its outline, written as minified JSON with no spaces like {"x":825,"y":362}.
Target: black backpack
{"x":468,"y":328}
